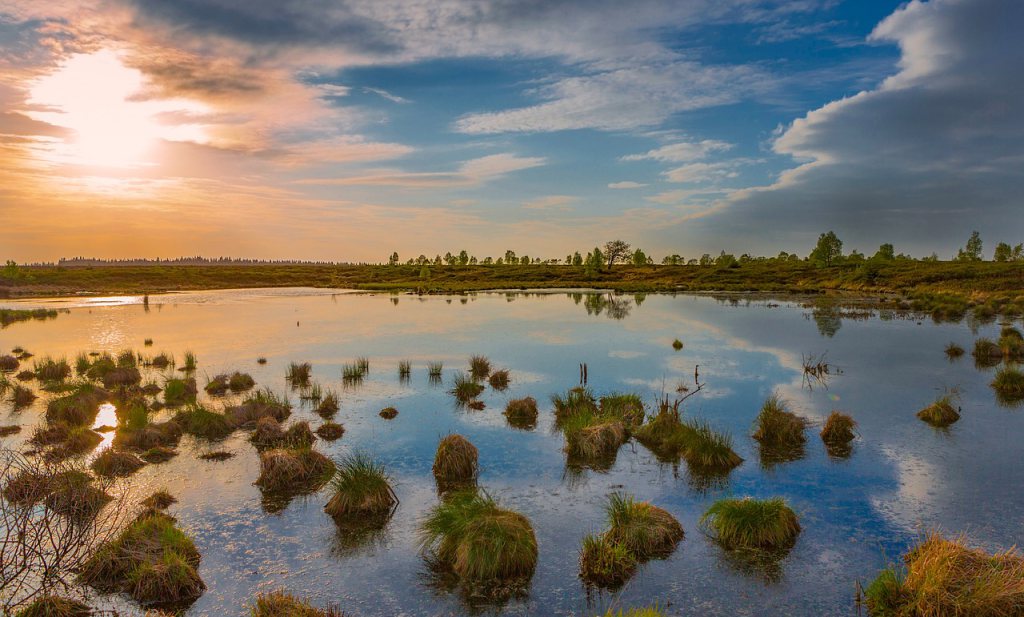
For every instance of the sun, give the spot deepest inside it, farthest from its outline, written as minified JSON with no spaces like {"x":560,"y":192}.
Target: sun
{"x":97,"y":97}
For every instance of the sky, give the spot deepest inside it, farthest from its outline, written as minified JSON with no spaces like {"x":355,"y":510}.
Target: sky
{"x":344,"y":130}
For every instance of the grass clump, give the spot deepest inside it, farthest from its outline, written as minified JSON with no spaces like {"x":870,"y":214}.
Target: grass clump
{"x":434,"y":369}
{"x":65,"y":440}
{"x":152,"y":560}
{"x":677,"y":345}
{"x":388,"y":413}
{"x":763,"y":524}
{"x":159,"y":500}
{"x":122,"y":377}
{"x":646,"y":530}
{"x":1009,"y":385}
{"x":604,"y":562}
{"x":576,"y":401}
{"x":521,"y":413}
{"x":49,"y":369}
{"x":946,"y":577}
{"x":838,"y":433}
{"x":9,"y":429}
{"x":404,"y":369}
{"x":78,"y":408}
{"x":465,"y":389}
{"x":479,"y":367}
{"x":9,"y":363}
{"x":330,"y":431}
{"x":256,"y":405}
{"x":328,"y":405}
{"x":22,"y":396}
{"x":360,"y":487}
{"x":217,"y":386}
{"x":283,"y":604}
{"x":455,"y":463}
{"x":239,"y":382}
{"x":158,"y":454}
{"x":986,"y":352}
{"x":627,"y":407}
{"x":776,"y":426}
{"x":199,"y":421}
{"x":73,"y":495}
{"x":499,"y":380}
{"x":479,"y":541}
{"x":941,"y":413}
{"x":177,"y":392}
{"x":54,"y":606}
{"x":116,"y":463}
{"x":218,"y":455}
{"x":298,"y":373}
{"x":190,"y":364}
{"x":954,"y":351}
{"x":270,"y":434}
{"x":593,"y":441}
{"x":705,"y":450}
{"x":293,"y":470}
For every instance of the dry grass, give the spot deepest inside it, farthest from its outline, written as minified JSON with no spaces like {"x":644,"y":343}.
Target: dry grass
{"x":22,"y":396}
{"x":257,"y":405}
{"x":455,"y":462}
{"x":54,"y":606}
{"x":122,"y":377}
{"x":79,"y":408}
{"x":283,"y":604}
{"x":1009,"y":385}
{"x":947,"y":578}
{"x":388,"y":413}
{"x":499,"y":380}
{"x":270,"y":434}
{"x":954,"y":351}
{"x":328,"y":405}
{"x":159,"y":500}
{"x":9,"y":429}
{"x":522,"y":413}
{"x":605,"y":563}
{"x":360,"y":487}
{"x":479,"y":367}
{"x":646,"y":530}
{"x":9,"y":363}
{"x":941,"y":413}
{"x":294,"y":470}
{"x":330,"y":431}
{"x":218,"y":455}
{"x":465,"y":388}
{"x":116,"y":463}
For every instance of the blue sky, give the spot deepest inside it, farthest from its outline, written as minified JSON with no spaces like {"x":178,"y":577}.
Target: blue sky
{"x":345,"y":129}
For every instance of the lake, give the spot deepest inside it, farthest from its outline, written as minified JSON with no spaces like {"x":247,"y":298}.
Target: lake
{"x":858,"y":513}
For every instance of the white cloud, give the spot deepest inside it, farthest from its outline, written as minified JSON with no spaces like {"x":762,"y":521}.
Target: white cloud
{"x":470,"y":173}
{"x":626,"y":184}
{"x":394,"y":98}
{"x":681,"y":152}
{"x":703,"y":172}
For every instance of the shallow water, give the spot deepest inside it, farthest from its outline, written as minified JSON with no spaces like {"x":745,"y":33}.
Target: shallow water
{"x":857,"y":513}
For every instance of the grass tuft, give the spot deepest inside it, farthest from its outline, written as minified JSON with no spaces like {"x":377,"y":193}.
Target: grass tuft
{"x":465,"y":389}
{"x":54,"y":606}
{"x":115,"y":463}
{"x":677,"y":345}
{"x":521,"y":413}
{"x":455,"y":463}
{"x":201,"y":422}
{"x":646,"y":530}
{"x":479,"y":367}
{"x":837,"y":434}
{"x":283,"y":604}
{"x":941,"y":413}
{"x":294,"y":470}
{"x":298,"y":373}
{"x":954,"y":351}
{"x":1009,"y":385}
{"x":765,"y":524}
{"x":360,"y":487}
{"x":330,"y":431}
{"x":388,"y":413}
{"x":604,"y":562}
{"x":328,"y":405}
{"x":159,"y":500}
{"x":499,"y":380}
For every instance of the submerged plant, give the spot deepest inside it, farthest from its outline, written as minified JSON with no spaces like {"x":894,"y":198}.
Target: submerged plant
{"x":752,"y":523}
{"x":360,"y":487}
{"x":479,"y":541}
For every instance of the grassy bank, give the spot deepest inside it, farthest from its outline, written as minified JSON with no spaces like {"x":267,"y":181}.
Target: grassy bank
{"x":912,"y":278}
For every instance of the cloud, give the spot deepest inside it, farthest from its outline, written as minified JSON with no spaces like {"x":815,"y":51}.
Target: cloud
{"x":622,"y":99}
{"x":471,"y":173}
{"x":938,"y":143}
{"x":551,"y":202}
{"x":386,"y":95}
{"x":681,"y":152}
{"x":704,"y":172}
{"x":626,"y":184}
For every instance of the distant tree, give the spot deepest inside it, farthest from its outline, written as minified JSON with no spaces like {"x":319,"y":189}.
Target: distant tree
{"x":932,"y":257}
{"x":499,"y":261}
{"x":783,"y":256}
{"x":421,"y":260}
{"x":885,"y":252}
{"x":639,"y":258}
{"x":393,"y":260}
{"x":616,"y":250}
{"x":510,"y":257}
{"x":524,"y":260}
{"x":828,"y":250}
{"x":577,"y":259}
{"x":972,"y":251}
{"x":726,"y":260}
{"x":437,"y":260}
{"x":594,"y":262}
{"x":855,"y":256}
{"x":1018,"y":253}
{"x":488,"y":261}
{"x":463,"y":258}
{"x":673,"y":260}
{"x":706,"y":260}
{"x":693,"y":262}
{"x":1004,"y":252}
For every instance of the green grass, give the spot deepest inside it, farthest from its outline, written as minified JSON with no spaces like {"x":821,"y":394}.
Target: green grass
{"x":465,"y":388}
{"x":1009,"y":385}
{"x":766,"y":524}
{"x":298,"y":373}
{"x":283,"y":604}
{"x":352,"y":373}
{"x":360,"y":487}
{"x":179,"y":391}
{"x":79,"y":407}
{"x":258,"y":404}
{"x":152,"y":560}
{"x":577,"y":401}
{"x":705,"y":450}
{"x":778,"y":428}
{"x":199,"y":421}
{"x":627,"y":407}
{"x":646,"y":530}
{"x":604,"y":562}
{"x":479,"y":541}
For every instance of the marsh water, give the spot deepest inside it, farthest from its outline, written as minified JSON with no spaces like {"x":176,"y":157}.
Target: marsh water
{"x":857,"y":513}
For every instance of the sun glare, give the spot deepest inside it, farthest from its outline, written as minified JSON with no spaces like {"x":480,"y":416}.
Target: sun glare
{"x":92,"y":94}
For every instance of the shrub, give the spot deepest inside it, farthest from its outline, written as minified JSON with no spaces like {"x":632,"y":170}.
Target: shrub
{"x":455,"y":462}
{"x":522,"y":412}
{"x":646,"y":530}
{"x":752,"y":523}
{"x":151,"y":560}
{"x":479,"y":541}
{"x":946,"y":577}
{"x":941,"y":413}
{"x":360,"y":486}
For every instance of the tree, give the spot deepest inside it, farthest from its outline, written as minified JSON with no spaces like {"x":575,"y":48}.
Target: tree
{"x":1018,"y":253}
{"x":577,"y":259}
{"x":726,"y":260}
{"x":1003,"y":252}
{"x":706,"y":260}
{"x":639,"y":258}
{"x":463,"y":257}
{"x":393,"y":260}
{"x":615,"y":250}
{"x":510,"y":257}
{"x":524,"y":260}
{"x":971,"y":252}
{"x":595,"y":260}
{"x":885,"y":252}
{"x":828,"y":250}
{"x":488,"y":260}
